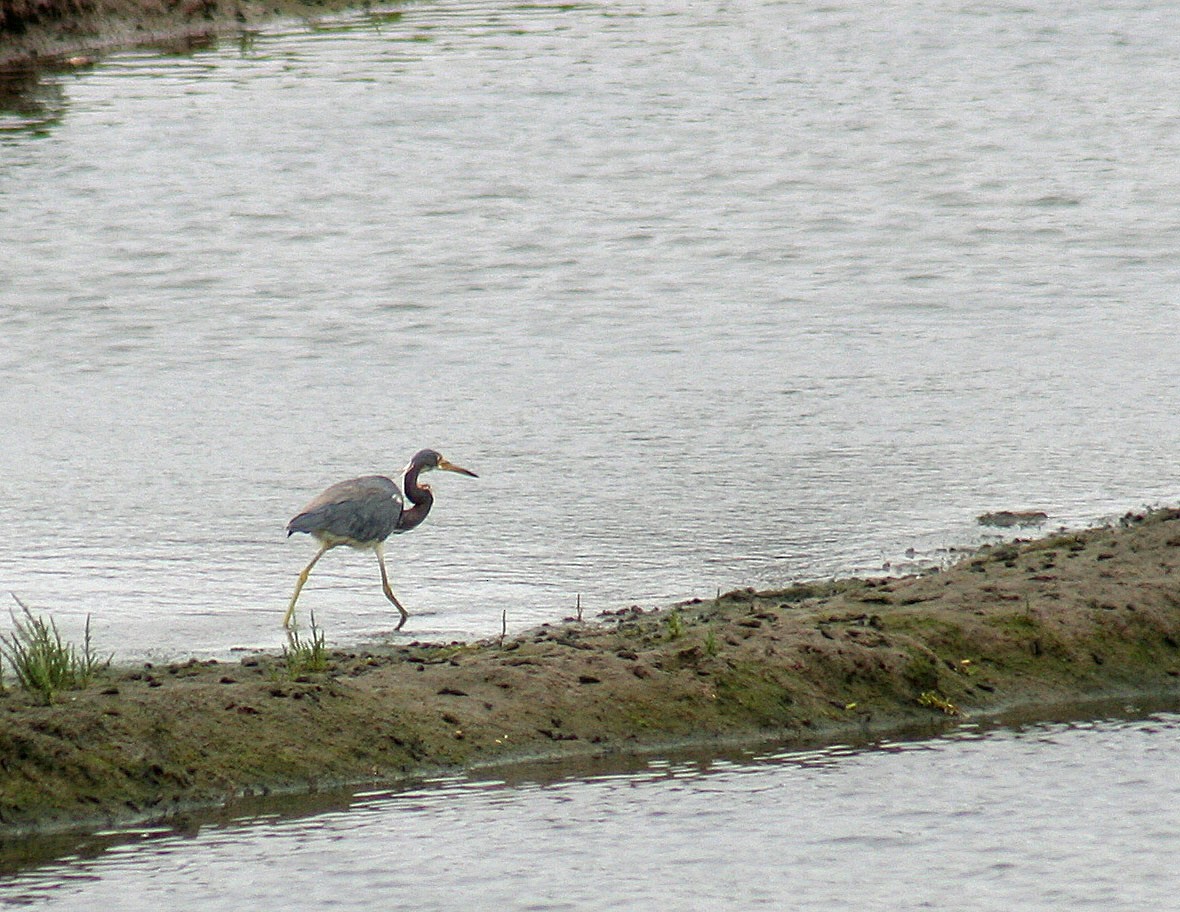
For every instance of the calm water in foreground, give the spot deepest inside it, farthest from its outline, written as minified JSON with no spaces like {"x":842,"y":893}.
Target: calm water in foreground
{"x":1038,"y":817}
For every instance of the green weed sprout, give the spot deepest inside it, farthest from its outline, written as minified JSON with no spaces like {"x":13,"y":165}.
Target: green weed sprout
{"x":42,"y":662}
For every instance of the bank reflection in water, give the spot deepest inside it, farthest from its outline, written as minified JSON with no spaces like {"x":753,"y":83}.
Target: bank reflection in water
{"x":1037,"y":816}
{"x":32,"y":100}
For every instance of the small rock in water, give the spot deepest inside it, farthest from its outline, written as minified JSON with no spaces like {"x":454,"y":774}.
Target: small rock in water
{"x":1006,"y":519}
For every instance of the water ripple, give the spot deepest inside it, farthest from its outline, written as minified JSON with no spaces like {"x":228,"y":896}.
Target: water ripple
{"x":718,"y":299}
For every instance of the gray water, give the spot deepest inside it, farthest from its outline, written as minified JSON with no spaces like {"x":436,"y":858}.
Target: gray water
{"x":709,"y":297}
{"x":1068,"y":816}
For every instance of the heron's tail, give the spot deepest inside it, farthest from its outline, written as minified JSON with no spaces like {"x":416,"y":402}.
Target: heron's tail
{"x":299,"y":524}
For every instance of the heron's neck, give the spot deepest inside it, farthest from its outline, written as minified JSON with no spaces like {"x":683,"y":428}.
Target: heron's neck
{"x":419,"y":496}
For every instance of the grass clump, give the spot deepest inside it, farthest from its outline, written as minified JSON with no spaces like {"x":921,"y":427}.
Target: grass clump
{"x":301,"y":656}
{"x":42,"y":662}
{"x":674,"y":626}
{"x":934,"y":700}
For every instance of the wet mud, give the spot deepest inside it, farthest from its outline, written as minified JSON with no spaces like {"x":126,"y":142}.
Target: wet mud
{"x":1036,"y":625}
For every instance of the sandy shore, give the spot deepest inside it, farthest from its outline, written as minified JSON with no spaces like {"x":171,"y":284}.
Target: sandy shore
{"x":71,"y":32}
{"x":1044,"y":623}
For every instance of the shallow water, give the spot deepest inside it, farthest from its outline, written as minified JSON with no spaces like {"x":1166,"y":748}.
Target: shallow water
{"x":707,"y":298}
{"x":1062,"y":816}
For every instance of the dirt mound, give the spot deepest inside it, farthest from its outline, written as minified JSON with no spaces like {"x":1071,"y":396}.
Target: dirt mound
{"x":1050,"y":621}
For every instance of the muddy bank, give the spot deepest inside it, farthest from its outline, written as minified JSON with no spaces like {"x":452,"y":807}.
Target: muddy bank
{"x":1052,"y":621}
{"x":65,"y":31}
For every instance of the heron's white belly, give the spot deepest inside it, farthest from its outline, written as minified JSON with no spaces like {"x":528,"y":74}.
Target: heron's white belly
{"x":333,"y":541}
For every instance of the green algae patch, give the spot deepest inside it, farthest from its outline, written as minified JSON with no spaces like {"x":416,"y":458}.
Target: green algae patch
{"x":1048,"y":623}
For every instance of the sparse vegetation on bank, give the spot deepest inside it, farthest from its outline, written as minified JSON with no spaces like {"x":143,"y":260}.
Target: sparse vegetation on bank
{"x":1066,"y":618}
{"x":41,"y":662}
{"x":302,"y":656}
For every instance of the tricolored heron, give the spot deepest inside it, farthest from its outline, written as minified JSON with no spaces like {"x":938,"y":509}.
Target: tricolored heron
{"x":363,"y":512}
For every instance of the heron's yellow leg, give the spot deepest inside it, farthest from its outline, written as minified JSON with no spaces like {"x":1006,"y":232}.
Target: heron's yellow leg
{"x":299,"y":585}
{"x":380,"y":549}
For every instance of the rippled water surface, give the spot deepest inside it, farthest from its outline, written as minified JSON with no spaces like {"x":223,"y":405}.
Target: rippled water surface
{"x":708,"y":296}
{"x":1040,"y":817}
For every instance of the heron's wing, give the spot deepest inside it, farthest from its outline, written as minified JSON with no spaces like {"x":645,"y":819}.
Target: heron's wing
{"x":359,"y":510}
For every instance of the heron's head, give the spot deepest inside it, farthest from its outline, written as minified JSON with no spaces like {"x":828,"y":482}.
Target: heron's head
{"x":426,"y":460}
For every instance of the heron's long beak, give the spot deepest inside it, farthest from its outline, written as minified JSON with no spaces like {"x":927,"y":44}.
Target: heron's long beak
{"x":451,"y":467}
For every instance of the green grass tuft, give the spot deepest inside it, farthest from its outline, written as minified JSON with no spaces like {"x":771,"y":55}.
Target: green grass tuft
{"x":674,"y":625}
{"x":301,"y":657}
{"x":42,"y":662}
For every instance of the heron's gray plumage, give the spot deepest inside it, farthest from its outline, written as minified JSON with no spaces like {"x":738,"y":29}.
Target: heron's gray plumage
{"x":358,"y":512}
{"x":363,"y":512}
